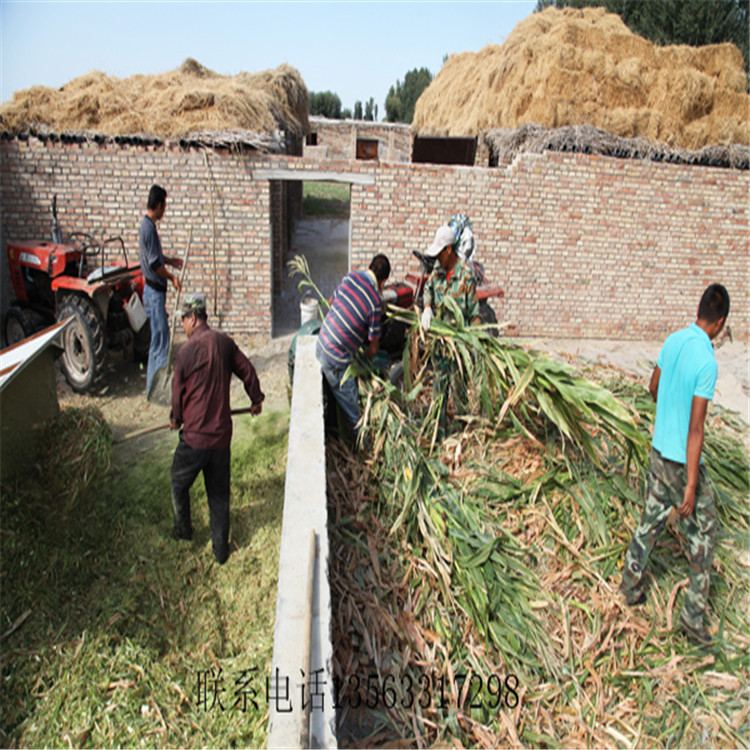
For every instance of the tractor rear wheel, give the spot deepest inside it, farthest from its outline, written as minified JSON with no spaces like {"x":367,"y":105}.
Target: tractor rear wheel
{"x":84,"y":354}
{"x":20,"y":323}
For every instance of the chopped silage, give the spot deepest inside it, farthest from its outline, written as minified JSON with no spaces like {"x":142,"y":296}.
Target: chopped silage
{"x":546,"y":532}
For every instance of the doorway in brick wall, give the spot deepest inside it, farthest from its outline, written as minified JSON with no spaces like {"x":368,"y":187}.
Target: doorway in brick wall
{"x":320,"y":233}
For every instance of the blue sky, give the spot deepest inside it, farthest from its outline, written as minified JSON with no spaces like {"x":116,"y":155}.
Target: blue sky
{"x":355,"y":49}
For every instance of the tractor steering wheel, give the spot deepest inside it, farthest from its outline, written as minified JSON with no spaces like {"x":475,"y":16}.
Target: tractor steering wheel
{"x":84,"y":243}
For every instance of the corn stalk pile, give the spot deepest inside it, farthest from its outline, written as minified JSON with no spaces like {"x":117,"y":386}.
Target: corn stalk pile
{"x":475,"y":577}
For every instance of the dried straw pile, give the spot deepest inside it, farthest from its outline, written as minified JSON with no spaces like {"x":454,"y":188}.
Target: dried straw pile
{"x":584,"y":66}
{"x":169,"y":105}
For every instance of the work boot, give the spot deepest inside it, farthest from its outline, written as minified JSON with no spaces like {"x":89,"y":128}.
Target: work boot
{"x":697,"y":635}
{"x":181,"y":536}
{"x":632,"y":597}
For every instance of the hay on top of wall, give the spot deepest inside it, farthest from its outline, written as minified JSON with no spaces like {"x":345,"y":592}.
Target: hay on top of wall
{"x":168,"y":105}
{"x":584,"y":66}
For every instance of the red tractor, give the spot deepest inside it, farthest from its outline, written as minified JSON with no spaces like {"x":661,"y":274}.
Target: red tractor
{"x":59,"y":279}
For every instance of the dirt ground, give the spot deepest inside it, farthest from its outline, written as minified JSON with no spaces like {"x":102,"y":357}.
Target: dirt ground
{"x":122,"y":399}
{"x":733,"y":357}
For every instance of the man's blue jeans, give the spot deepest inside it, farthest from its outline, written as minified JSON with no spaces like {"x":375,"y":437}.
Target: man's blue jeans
{"x":346,"y":394}
{"x":155,"y":305}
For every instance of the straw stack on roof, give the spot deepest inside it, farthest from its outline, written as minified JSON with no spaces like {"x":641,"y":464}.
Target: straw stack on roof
{"x":168,"y":105}
{"x":584,"y":66}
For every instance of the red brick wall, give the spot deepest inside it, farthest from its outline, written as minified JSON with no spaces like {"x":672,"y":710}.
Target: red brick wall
{"x":582,"y":245}
{"x":103,"y":188}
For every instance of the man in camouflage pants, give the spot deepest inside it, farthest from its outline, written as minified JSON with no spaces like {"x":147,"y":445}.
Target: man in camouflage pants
{"x":682,"y":384}
{"x":450,"y":278}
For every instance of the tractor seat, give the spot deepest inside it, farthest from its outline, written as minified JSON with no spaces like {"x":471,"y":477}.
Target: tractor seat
{"x":99,"y":273}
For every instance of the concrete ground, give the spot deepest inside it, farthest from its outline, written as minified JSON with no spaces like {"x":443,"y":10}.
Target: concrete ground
{"x":325,"y":245}
{"x":639,"y":357}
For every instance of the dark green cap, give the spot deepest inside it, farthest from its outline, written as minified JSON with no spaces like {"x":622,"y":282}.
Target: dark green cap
{"x":193,"y":303}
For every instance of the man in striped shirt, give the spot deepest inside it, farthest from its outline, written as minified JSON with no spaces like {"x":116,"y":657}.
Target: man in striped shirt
{"x":352,"y":321}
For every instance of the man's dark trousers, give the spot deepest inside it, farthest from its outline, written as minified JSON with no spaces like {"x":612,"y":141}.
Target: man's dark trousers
{"x":215,"y":464}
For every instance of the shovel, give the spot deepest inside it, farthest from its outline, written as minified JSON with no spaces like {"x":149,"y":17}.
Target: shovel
{"x":166,"y":425}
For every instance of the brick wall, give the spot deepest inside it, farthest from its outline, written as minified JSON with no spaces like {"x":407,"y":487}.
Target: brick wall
{"x":337,"y":139}
{"x":583,"y":245}
{"x":104,"y":187}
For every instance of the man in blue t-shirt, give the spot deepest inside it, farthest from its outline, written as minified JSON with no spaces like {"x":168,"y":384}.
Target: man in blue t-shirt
{"x":154,"y":266}
{"x":682,"y":384}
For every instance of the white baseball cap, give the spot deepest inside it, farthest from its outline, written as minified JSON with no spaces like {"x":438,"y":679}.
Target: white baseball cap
{"x":443,"y":237}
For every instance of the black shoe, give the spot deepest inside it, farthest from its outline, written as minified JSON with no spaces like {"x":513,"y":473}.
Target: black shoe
{"x":181,"y":536}
{"x":702,"y":636}
{"x":632,"y":601}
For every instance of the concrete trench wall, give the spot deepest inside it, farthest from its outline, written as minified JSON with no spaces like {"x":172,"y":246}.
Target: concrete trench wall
{"x":583,"y":246}
{"x":295,"y":670}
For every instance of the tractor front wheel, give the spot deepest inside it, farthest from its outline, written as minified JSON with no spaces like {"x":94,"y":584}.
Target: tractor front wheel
{"x":20,"y":323}
{"x":84,"y":354}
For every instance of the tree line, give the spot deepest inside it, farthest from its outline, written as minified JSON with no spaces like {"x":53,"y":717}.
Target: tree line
{"x":399,"y":104}
{"x":328,"y":104}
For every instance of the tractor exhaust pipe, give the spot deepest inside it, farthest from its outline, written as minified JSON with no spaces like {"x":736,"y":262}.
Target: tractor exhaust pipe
{"x":56,"y":231}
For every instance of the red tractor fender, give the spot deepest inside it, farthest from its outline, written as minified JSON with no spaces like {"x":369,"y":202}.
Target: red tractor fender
{"x":487,"y":290}
{"x":114,"y":277}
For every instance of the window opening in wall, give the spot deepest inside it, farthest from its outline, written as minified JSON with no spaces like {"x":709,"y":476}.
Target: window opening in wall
{"x":312,"y":139}
{"x":319,"y":232}
{"x":367,"y":148}
{"x":434,"y":150}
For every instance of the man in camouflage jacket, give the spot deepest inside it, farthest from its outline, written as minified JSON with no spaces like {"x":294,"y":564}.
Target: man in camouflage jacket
{"x":450,"y":277}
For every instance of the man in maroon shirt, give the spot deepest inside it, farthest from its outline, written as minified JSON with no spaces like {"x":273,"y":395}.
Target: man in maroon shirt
{"x":200,"y":405}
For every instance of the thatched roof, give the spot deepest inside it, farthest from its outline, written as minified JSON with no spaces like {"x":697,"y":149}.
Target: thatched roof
{"x":178,"y":104}
{"x":506,"y":144}
{"x":276,"y":142}
{"x":584,"y":66}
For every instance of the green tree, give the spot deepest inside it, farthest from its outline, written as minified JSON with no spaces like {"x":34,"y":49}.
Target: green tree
{"x":358,"y":110}
{"x":325,"y":103}
{"x":370,"y":110}
{"x":402,"y":97}
{"x":692,"y":22}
